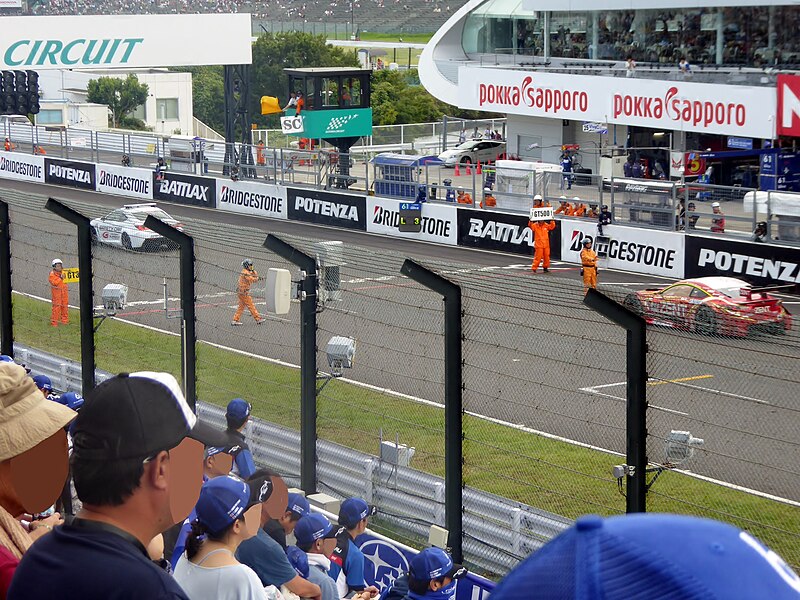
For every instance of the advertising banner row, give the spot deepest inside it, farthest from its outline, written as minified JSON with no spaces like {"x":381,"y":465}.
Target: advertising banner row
{"x":633,"y":249}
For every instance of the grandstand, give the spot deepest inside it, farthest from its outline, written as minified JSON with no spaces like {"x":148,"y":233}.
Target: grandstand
{"x":397,"y":16}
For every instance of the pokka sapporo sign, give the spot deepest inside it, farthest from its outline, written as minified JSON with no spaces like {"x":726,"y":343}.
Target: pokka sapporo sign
{"x":744,"y":111}
{"x":132,"y":41}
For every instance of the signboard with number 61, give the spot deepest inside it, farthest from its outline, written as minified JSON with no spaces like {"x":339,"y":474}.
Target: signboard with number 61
{"x":293,"y":124}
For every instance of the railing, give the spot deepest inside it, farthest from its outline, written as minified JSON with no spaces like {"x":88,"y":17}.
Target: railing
{"x":516,"y":529}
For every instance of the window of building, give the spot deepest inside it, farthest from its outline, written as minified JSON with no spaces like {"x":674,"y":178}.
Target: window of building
{"x":50,"y":116}
{"x":167,"y":109}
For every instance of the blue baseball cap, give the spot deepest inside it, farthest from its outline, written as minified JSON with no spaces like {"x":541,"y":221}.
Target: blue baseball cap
{"x":238,"y":409}
{"x":651,"y":556}
{"x":7,"y":358}
{"x":434,"y":563}
{"x":298,"y":504}
{"x":71,"y":399}
{"x":354,"y":510}
{"x":224,"y":499}
{"x":43,"y":383}
{"x":313,"y":527}
{"x":298,"y":559}
{"x":214,"y":450}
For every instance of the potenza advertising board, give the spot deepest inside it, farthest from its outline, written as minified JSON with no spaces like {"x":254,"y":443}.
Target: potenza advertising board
{"x":185,"y":189}
{"x":627,"y":248}
{"x":489,"y":230}
{"x":744,"y":111}
{"x":760,"y":264}
{"x":327,"y":208}
{"x":258,"y":199}
{"x":21,"y":167}
{"x":70,"y":173}
{"x":125,"y":181}
{"x":91,"y":42}
{"x":438,"y":221}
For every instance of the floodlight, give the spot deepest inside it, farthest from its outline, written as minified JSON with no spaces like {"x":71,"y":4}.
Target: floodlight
{"x":114,"y":298}
{"x":341,"y":353}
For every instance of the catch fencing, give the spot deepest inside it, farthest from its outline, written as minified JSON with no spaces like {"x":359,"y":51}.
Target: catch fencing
{"x":543,"y":395}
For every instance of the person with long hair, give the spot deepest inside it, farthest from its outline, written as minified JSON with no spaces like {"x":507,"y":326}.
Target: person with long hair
{"x":208,"y":570}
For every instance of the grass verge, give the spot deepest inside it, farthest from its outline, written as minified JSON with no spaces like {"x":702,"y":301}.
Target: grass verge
{"x":551,"y":475}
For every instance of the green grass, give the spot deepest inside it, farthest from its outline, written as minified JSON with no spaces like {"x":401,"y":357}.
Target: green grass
{"x":551,"y":475}
{"x":411,"y":38}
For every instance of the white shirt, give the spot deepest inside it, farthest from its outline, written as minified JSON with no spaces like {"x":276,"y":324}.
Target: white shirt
{"x":231,"y":582}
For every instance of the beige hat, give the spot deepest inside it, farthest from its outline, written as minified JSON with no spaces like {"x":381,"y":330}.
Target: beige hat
{"x":27,"y":418}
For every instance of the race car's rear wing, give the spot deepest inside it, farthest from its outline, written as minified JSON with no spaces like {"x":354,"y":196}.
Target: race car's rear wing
{"x":748,"y":292}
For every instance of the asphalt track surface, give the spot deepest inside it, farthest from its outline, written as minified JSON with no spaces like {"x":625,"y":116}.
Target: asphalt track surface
{"x":534,"y":355}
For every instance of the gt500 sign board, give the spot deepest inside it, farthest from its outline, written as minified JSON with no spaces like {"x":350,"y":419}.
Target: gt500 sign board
{"x":75,"y":42}
{"x":21,"y":167}
{"x":259,"y":199}
{"x":628,"y":248}
{"x":438,"y":221}
{"x":744,"y":111}
{"x":125,"y":181}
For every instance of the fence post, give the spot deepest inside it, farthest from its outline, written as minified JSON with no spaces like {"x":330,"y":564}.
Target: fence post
{"x":636,"y":404}
{"x":308,"y":358}
{"x":188,"y":324}
{"x":6,"y":315}
{"x":453,"y":399}
{"x":86,"y":305}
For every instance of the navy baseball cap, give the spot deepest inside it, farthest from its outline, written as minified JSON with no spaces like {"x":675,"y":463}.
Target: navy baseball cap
{"x":225,"y":499}
{"x":313,"y":527}
{"x":434,"y":563}
{"x":43,"y":383}
{"x":238,"y":409}
{"x":299,"y":560}
{"x":7,"y":358}
{"x":354,"y":510}
{"x":652,"y":556}
{"x":214,"y":450}
{"x":298,"y":504}
{"x":71,"y":399}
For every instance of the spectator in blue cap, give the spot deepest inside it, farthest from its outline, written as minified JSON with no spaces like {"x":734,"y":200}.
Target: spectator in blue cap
{"x":44,"y":384}
{"x":317,"y":537}
{"x":347,"y":560}
{"x":279,"y":528}
{"x":209,"y":570}
{"x":652,"y":556}
{"x":237,"y":415}
{"x":298,"y":560}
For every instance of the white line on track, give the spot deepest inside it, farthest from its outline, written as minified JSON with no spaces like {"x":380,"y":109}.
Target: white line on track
{"x":653,"y":406}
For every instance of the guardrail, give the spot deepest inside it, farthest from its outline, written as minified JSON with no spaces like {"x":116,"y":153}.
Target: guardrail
{"x":490,"y":521}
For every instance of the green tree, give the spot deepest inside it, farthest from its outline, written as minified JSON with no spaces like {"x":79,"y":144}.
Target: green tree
{"x":122,"y":96}
{"x":208,"y":93}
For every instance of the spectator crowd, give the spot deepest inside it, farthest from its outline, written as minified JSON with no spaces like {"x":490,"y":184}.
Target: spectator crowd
{"x":168,"y":507}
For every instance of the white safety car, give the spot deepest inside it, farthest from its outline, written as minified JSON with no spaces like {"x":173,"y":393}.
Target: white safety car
{"x":473,"y":151}
{"x":124,"y":227}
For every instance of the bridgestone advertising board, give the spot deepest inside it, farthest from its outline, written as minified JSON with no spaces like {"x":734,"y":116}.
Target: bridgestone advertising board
{"x":758,"y":264}
{"x":185,"y":189}
{"x":69,"y":173}
{"x":629,"y":248}
{"x":490,"y":230}
{"x":327,"y":208}
{"x":125,"y":181}
{"x":259,"y":199}
{"x":438,"y":221}
{"x":21,"y":167}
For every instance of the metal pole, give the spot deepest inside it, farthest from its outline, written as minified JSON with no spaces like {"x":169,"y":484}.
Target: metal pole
{"x":453,"y":400}
{"x":86,"y":305}
{"x":636,"y":404}
{"x":308,"y":358}
{"x":6,"y":315}
{"x":189,"y":330}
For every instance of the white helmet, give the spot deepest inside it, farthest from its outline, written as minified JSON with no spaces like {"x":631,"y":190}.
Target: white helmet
{"x":486,"y":189}
{"x":715,"y":205}
{"x":576,"y":199}
{"x":562,"y":198}
{"x":538,"y":197}
{"x":57,"y":261}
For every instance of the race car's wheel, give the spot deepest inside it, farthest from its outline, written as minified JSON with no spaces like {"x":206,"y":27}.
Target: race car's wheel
{"x":466,"y":160}
{"x":126,"y":242}
{"x":705,"y":321}
{"x":633,"y":303}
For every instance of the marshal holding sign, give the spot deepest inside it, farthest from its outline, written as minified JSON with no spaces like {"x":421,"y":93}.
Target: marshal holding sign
{"x":542,"y":213}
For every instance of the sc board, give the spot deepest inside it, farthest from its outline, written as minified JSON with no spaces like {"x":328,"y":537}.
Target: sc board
{"x":410,"y":217}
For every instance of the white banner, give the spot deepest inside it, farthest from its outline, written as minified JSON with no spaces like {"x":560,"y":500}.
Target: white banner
{"x":92,"y":42}
{"x":744,"y":111}
{"x":250,"y":198}
{"x":124,"y":181}
{"x":23,"y":167}
{"x":10,"y":3}
{"x":438,"y":221}
{"x":543,"y":213}
{"x":628,"y":248}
